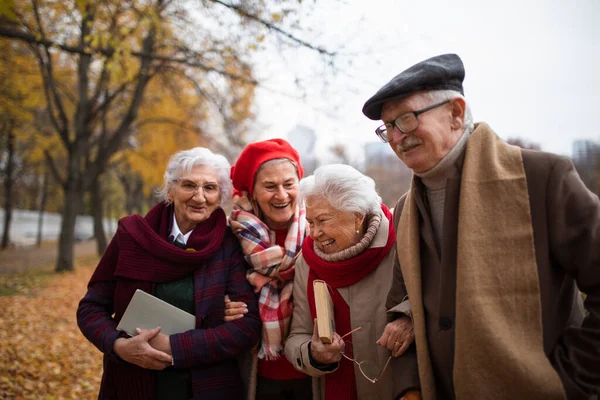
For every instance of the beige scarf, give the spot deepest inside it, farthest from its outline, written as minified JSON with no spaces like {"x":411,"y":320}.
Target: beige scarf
{"x":499,"y":350}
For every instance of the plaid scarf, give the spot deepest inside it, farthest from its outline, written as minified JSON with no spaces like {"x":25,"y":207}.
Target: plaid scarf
{"x":272,"y":274}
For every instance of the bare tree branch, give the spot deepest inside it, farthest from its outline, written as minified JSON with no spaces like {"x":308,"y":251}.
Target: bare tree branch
{"x":110,"y":98}
{"x":62,"y":131}
{"x":108,"y":52}
{"x":99,"y":85}
{"x":169,"y":121}
{"x":83,"y":81}
{"x":53,"y":168}
{"x":272,"y":27}
{"x":50,"y":75}
{"x":114,"y":142}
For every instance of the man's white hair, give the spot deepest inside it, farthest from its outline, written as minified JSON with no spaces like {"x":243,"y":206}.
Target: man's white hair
{"x":437,"y":96}
{"x":183,"y":162}
{"x":343,"y":187}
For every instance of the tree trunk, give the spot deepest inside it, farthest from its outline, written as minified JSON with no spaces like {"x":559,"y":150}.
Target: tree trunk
{"x":99,"y":234}
{"x":78,"y":151}
{"x":71,"y":206}
{"x":128,"y":193}
{"x":43,"y":200}
{"x":8,"y":184}
{"x":139,"y":197}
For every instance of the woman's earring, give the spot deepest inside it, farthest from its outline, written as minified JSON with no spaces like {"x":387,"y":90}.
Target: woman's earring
{"x":357,"y":231}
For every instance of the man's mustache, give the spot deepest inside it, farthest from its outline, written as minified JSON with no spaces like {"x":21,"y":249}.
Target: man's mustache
{"x":408,"y":143}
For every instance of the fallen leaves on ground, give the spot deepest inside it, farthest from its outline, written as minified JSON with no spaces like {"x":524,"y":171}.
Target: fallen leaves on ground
{"x":43,"y":355}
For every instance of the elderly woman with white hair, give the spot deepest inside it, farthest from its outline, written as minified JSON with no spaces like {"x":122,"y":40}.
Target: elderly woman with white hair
{"x":183,"y":253}
{"x":350,"y":248}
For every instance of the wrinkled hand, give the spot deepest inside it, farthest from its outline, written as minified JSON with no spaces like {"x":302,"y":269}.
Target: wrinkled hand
{"x":326,"y":353}
{"x":397,"y":336}
{"x":411,"y":395}
{"x":160,"y":342}
{"x":138,"y":351}
{"x":244,"y":202}
{"x":234,"y":309}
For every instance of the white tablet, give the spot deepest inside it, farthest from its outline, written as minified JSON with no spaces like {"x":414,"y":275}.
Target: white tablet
{"x":147,"y":312}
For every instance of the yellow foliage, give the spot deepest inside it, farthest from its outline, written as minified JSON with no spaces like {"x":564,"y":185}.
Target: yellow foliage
{"x":7,"y":9}
{"x":173,"y":115}
{"x":169,"y":121}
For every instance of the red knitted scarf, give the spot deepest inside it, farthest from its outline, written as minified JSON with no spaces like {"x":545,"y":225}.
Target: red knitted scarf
{"x":341,"y":383}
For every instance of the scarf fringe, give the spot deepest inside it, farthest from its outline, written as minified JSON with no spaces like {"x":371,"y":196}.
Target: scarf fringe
{"x":268,"y":262}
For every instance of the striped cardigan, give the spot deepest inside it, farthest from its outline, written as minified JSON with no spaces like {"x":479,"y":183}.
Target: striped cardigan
{"x":209,"y":351}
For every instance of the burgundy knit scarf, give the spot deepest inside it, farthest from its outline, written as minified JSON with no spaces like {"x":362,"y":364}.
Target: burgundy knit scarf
{"x":145,"y":257}
{"x":341,"y":384}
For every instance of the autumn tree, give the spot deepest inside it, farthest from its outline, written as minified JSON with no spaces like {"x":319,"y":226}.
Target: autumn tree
{"x":112,"y":50}
{"x":11,"y":115}
{"x":168,"y":121}
{"x":20,"y":99}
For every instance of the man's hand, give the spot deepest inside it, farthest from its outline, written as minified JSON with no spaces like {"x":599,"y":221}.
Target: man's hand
{"x":137,"y":350}
{"x":397,"y":336}
{"x":411,"y":395}
{"x":234,"y":309}
{"x":326,"y":353}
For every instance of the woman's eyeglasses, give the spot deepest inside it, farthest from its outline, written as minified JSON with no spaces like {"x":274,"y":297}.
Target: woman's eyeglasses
{"x":369,"y":370}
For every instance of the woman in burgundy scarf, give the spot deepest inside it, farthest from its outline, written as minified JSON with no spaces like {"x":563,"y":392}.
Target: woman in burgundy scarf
{"x":183,"y":253}
{"x":351,"y":248}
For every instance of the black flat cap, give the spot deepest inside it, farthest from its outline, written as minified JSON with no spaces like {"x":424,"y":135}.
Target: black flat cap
{"x":445,"y":72}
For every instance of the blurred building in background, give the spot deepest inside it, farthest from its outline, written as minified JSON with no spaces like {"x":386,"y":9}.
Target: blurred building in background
{"x":586,"y":158}
{"x":303,"y":139}
{"x":585,"y":151}
{"x":390,"y":174}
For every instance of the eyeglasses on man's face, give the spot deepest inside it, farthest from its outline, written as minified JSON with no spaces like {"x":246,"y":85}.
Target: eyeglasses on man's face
{"x":368,"y":369}
{"x":190,"y":187}
{"x":406,"y":123}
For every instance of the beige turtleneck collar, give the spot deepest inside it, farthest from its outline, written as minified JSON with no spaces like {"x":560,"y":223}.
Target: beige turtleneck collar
{"x":435,"y":178}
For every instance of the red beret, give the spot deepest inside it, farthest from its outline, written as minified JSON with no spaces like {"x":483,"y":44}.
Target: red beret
{"x":256,"y":154}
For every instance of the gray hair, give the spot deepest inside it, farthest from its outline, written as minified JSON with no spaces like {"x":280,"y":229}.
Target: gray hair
{"x":343,"y":187}
{"x":276,"y":161}
{"x":183,"y":162}
{"x":437,"y":96}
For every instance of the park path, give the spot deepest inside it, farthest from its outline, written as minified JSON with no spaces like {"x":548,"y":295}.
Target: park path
{"x":43,"y":355}
{"x":27,"y":258}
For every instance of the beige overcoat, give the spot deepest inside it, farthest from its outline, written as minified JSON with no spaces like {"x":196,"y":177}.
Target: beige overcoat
{"x":566,"y":226}
{"x":366,"y":300}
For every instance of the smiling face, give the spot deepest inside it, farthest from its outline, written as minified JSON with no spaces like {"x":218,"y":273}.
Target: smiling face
{"x":332,"y":230}
{"x":275,"y":191}
{"x":438,"y":131}
{"x":195,"y":196}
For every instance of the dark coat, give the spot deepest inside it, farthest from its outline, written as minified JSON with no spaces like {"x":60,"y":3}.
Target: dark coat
{"x":566,"y":227}
{"x":209,"y":350}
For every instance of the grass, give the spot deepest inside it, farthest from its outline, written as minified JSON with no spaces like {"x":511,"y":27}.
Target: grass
{"x":25,"y":283}
{"x":29,"y":282}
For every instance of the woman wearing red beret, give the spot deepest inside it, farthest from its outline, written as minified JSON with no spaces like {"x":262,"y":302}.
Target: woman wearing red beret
{"x":271,"y":228}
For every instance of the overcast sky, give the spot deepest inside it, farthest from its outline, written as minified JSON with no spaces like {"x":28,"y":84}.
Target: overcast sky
{"x":532,"y":67}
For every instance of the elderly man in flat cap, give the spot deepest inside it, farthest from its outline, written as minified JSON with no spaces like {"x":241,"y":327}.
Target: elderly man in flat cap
{"x":493,"y":244}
